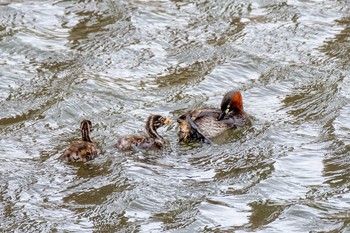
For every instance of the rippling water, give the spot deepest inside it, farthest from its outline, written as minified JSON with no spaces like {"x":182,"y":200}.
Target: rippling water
{"x":116,"y":62}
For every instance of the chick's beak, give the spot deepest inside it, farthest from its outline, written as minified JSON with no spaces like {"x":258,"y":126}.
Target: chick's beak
{"x":167,"y":121}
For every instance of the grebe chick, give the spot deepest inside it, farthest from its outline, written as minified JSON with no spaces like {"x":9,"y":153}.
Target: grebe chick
{"x":141,"y":142}
{"x":84,"y":150}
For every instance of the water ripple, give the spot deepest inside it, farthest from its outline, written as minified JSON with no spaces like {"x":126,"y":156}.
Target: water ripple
{"x":116,"y":62}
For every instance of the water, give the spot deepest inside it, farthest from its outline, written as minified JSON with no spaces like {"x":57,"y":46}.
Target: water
{"x":116,"y":62}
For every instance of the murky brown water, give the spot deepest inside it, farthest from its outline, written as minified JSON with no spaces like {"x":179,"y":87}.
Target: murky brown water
{"x":115,"y":62}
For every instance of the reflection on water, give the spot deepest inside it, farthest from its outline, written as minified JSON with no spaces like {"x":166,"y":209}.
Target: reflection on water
{"x":116,"y":62}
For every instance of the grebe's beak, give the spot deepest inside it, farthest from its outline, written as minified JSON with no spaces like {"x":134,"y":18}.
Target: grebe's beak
{"x":167,"y":121}
{"x":221,"y":116}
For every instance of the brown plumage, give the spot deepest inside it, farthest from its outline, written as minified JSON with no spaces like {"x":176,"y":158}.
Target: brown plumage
{"x":141,"y":142}
{"x":84,"y":150}
{"x":206,"y":123}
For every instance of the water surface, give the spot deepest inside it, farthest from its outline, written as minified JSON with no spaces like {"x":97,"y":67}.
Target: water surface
{"x":116,"y":62}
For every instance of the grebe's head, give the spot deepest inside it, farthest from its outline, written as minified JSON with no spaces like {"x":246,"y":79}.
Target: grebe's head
{"x":86,"y":128}
{"x":86,"y":125}
{"x":156,"y":121}
{"x":232,"y":102}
